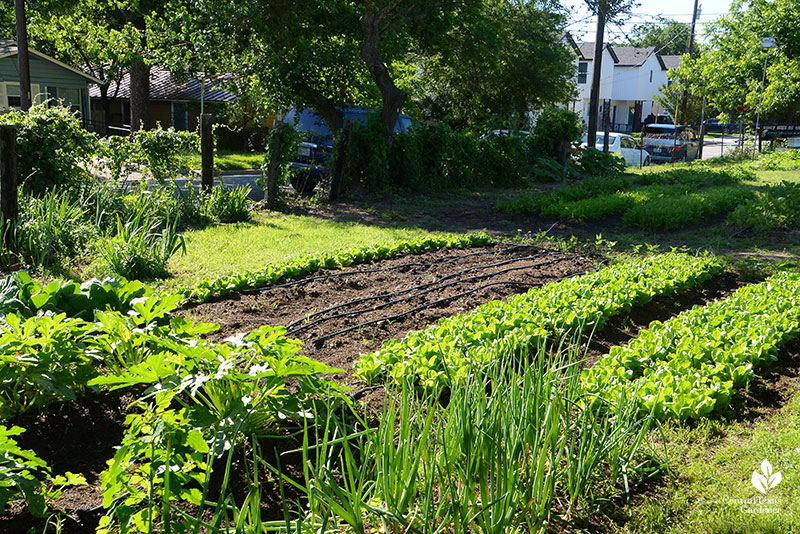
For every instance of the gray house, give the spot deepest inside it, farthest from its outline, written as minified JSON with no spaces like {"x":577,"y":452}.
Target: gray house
{"x":50,"y":79}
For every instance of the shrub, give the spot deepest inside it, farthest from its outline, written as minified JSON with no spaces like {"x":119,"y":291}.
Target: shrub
{"x":227,"y":205}
{"x":503,"y":160}
{"x":52,"y":148}
{"x":557,"y":129}
{"x":778,"y":206}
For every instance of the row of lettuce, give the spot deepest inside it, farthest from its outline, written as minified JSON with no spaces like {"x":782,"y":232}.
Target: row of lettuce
{"x":685,"y":368}
{"x":455,"y":346}
{"x":691,"y":365}
{"x":667,"y":200}
{"x":24,"y":296}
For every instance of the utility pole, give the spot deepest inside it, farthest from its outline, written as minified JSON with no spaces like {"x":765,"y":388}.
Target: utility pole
{"x":594,"y":95}
{"x":22,"y":55}
{"x":689,"y":50}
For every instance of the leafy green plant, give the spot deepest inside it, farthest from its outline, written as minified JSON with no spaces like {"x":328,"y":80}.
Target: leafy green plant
{"x":777,"y":206}
{"x":695,"y":176}
{"x":52,"y":147}
{"x":43,"y":359}
{"x":691,"y":365}
{"x":52,"y":229}
{"x":228,"y":205}
{"x":142,"y":247}
{"x":669,"y":212}
{"x":456,"y":346}
{"x":301,"y":265}
{"x":22,"y":295}
{"x":204,"y":401}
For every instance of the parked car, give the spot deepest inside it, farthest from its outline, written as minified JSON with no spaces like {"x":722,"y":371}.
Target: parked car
{"x":716,"y":125}
{"x":519,"y":133}
{"x":310,"y":164}
{"x":669,"y":142}
{"x":624,"y":146}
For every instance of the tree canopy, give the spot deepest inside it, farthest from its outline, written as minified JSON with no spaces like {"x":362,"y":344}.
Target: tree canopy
{"x":731,"y":65}
{"x":499,"y":61}
{"x":669,"y":36}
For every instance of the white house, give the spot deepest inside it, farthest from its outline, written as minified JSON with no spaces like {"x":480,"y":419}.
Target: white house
{"x":630,"y":80}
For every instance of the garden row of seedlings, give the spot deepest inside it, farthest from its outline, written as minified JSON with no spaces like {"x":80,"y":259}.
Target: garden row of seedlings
{"x":520,"y":460}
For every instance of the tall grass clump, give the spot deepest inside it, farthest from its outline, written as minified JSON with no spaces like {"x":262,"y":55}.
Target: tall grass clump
{"x":52,"y":229}
{"x":506,"y":450}
{"x":142,"y":246}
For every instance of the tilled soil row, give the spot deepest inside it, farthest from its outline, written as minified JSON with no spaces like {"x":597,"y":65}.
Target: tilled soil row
{"x":342,"y":314}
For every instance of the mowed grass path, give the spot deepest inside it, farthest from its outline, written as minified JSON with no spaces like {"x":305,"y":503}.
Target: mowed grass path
{"x":227,"y":249}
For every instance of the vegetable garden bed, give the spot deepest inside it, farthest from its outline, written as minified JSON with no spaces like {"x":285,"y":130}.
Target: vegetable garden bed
{"x":340,"y":314}
{"x":211,"y":395}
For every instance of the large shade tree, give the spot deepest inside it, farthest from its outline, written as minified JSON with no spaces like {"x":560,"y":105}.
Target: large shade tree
{"x":499,"y":60}
{"x":730,"y":66}
{"x":106,"y":37}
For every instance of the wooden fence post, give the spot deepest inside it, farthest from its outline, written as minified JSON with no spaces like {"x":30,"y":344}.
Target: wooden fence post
{"x":206,"y":152}
{"x":338,"y":168}
{"x":8,"y":179}
{"x":271,"y":194}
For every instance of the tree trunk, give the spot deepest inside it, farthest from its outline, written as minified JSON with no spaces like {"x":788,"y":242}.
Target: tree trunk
{"x":22,"y":55}
{"x":140,"y":95}
{"x":333,"y":117}
{"x":105,"y":103}
{"x":597,"y":63}
{"x":393,"y":97}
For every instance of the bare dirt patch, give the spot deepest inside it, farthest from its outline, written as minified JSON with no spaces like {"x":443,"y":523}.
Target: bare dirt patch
{"x":342,"y":314}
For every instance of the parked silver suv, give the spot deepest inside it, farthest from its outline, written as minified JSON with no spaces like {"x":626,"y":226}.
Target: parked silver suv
{"x":669,"y":142}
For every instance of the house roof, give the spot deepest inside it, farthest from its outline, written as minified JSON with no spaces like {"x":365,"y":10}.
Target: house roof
{"x":624,"y":56}
{"x":9,"y":48}
{"x":165,"y":86}
{"x":672,"y":61}
{"x":587,"y":51}
{"x":633,"y":56}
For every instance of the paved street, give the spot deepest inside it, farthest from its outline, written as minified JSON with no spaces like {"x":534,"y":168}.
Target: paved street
{"x":716,"y":147}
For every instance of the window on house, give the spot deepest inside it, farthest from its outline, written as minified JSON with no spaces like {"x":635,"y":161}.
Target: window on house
{"x":583,"y":69}
{"x":180,"y":115}
{"x":651,"y":76}
{"x":66,"y":96}
{"x":12,"y":94}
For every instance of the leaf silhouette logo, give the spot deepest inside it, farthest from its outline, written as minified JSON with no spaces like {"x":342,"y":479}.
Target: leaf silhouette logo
{"x":767,"y":479}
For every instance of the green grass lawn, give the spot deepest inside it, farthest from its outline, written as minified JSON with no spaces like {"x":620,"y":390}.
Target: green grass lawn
{"x":227,"y":249}
{"x":228,"y":160}
{"x":711,"y":489}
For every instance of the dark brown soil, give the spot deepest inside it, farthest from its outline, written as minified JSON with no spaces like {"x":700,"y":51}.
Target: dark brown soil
{"x":340,"y":315}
